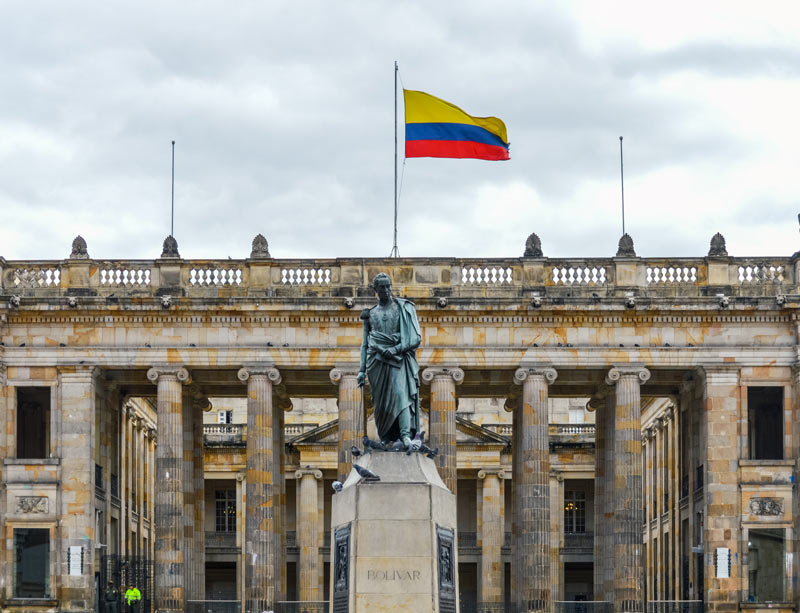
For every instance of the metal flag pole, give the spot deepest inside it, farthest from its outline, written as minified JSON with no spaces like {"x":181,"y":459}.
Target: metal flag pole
{"x":395,"y":253}
{"x":172,"y":209}
{"x":622,"y":184}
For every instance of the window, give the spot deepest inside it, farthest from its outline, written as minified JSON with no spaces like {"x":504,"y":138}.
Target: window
{"x":576,"y":415}
{"x":574,"y":511}
{"x":225,"y":510}
{"x":766,"y":549}
{"x":31,"y":563}
{"x":33,"y":422}
{"x":765,"y":422}
{"x":224,"y":417}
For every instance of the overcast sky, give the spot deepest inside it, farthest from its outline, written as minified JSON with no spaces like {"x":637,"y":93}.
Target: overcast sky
{"x":283,"y":117}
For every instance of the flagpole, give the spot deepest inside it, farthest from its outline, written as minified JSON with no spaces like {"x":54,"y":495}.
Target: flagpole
{"x":622,"y":184}
{"x":172,"y":205}
{"x":395,"y":252}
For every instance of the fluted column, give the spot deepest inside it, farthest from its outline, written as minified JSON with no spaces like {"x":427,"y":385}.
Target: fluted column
{"x":199,"y":561}
{"x":596,"y":404}
{"x":491,"y":578}
{"x":170,"y":570}
{"x":443,"y":381}
{"x":261,"y":493}
{"x":308,"y":537}
{"x":141,"y":467}
{"x":530,"y":547}
{"x":627,"y":493}
{"x":351,"y":414}
{"x":188,"y":496}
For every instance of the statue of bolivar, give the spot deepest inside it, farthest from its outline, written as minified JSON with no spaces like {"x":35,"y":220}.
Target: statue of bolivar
{"x":388,"y":358}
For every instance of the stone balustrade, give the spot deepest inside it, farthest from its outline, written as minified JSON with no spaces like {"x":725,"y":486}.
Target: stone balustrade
{"x":556,"y":278}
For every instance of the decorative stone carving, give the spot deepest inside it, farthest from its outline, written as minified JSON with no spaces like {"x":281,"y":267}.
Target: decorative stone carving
{"x":533,"y":247}
{"x":32,"y":504}
{"x":272,"y":373}
{"x":79,"y":251}
{"x":72,"y":301}
{"x":550,"y":374}
{"x":166,"y":301}
{"x":717,"y":246}
{"x":14,"y":302}
{"x":179,"y":372}
{"x":447,"y":583}
{"x":625,"y":248}
{"x":260,"y":248}
{"x":443,"y":371}
{"x":170,"y":249}
{"x":617,"y":371}
{"x":766,"y":506}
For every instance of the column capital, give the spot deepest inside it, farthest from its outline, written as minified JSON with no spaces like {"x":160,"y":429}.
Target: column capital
{"x":266,"y":370}
{"x":340,"y":371}
{"x":491,"y":472}
{"x":548,"y":372}
{"x":168,"y":370}
{"x":632,"y":370}
{"x":432,"y":372}
{"x":307,"y":470}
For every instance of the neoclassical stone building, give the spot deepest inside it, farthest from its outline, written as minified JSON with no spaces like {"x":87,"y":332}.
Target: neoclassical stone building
{"x":617,"y":430}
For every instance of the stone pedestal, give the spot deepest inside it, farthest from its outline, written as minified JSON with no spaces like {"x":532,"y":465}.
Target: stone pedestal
{"x":393,"y":541}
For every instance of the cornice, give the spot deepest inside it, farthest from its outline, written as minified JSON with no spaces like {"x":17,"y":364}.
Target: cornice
{"x":161,"y":317}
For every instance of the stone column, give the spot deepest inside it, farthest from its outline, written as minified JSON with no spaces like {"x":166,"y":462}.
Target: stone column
{"x":141,"y":463}
{"x":530,"y":547}
{"x":6,"y":402}
{"x":199,"y":500}
{"x":722,"y":494}
{"x":262,"y":495}
{"x":77,"y":406}
{"x":169,"y":558}
{"x":188,"y":496}
{"x":599,"y":496}
{"x":556,"y":535}
{"x":443,"y":380}
{"x":351,"y":415}
{"x":279,"y":446}
{"x":627,"y":493}
{"x":491,"y":578}
{"x":308,"y":537}
{"x":122,"y":481}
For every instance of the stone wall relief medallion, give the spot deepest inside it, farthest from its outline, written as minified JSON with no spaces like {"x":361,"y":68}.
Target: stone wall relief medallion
{"x":766,"y":506}
{"x":341,"y":570}
{"x":32,"y":504}
{"x":447,"y":573}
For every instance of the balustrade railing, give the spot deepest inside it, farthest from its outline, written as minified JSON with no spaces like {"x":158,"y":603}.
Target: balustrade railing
{"x":578,"y":429}
{"x":467,"y":539}
{"x":221,"y":539}
{"x":467,"y":606}
{"x":417,"y":277}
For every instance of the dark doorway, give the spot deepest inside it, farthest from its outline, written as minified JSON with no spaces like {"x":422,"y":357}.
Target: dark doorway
{"x":32,"y":563}
{"x":221,"y":581}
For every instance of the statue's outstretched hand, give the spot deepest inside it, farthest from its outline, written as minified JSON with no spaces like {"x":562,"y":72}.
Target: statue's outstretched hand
{"x":362,"y":377}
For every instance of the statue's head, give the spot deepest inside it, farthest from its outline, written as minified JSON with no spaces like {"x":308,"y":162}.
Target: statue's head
{"x":382,"y":284}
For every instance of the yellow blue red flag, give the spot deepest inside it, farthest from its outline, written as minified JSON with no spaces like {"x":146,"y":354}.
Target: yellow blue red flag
{"x":437,"y":129}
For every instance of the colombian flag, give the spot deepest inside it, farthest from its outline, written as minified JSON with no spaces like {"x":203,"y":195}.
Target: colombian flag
{"x":437,"y":129}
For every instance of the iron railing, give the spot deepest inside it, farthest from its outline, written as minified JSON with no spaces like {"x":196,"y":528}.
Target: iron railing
{"x":578,"y":540}
{"x":114,"y":485}
{"x":698,"y":478}
{"x":303,"y":606}
{"x":675,"y":606}
{"x":124,"y":571}
{"x":583,"y":606}
{"x":213,"y":606}
{"x":467,"y":539}
{"x":220,"y":539}
{"x":466,"y":606}
{"x":684,"y":486}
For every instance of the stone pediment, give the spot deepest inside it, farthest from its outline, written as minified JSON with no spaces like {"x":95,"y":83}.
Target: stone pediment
{"x":467,"y":433}
{"x":325,"y":434}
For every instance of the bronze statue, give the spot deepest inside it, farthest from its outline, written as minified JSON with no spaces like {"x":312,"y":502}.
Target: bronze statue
{"x":388,"y":358}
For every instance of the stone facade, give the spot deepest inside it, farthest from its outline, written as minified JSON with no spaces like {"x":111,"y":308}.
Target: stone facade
{"x":106,"y":367}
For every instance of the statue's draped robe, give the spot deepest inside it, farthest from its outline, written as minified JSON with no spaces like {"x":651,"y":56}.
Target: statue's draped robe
{"x":395,"y":382}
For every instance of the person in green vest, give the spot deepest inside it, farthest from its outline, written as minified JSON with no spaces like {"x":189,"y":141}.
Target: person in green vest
{"x":132,"y":597}
{"x":111,"y":598}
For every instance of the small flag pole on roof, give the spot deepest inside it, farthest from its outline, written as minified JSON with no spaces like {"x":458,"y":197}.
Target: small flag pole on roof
{"x":395,"y":253}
